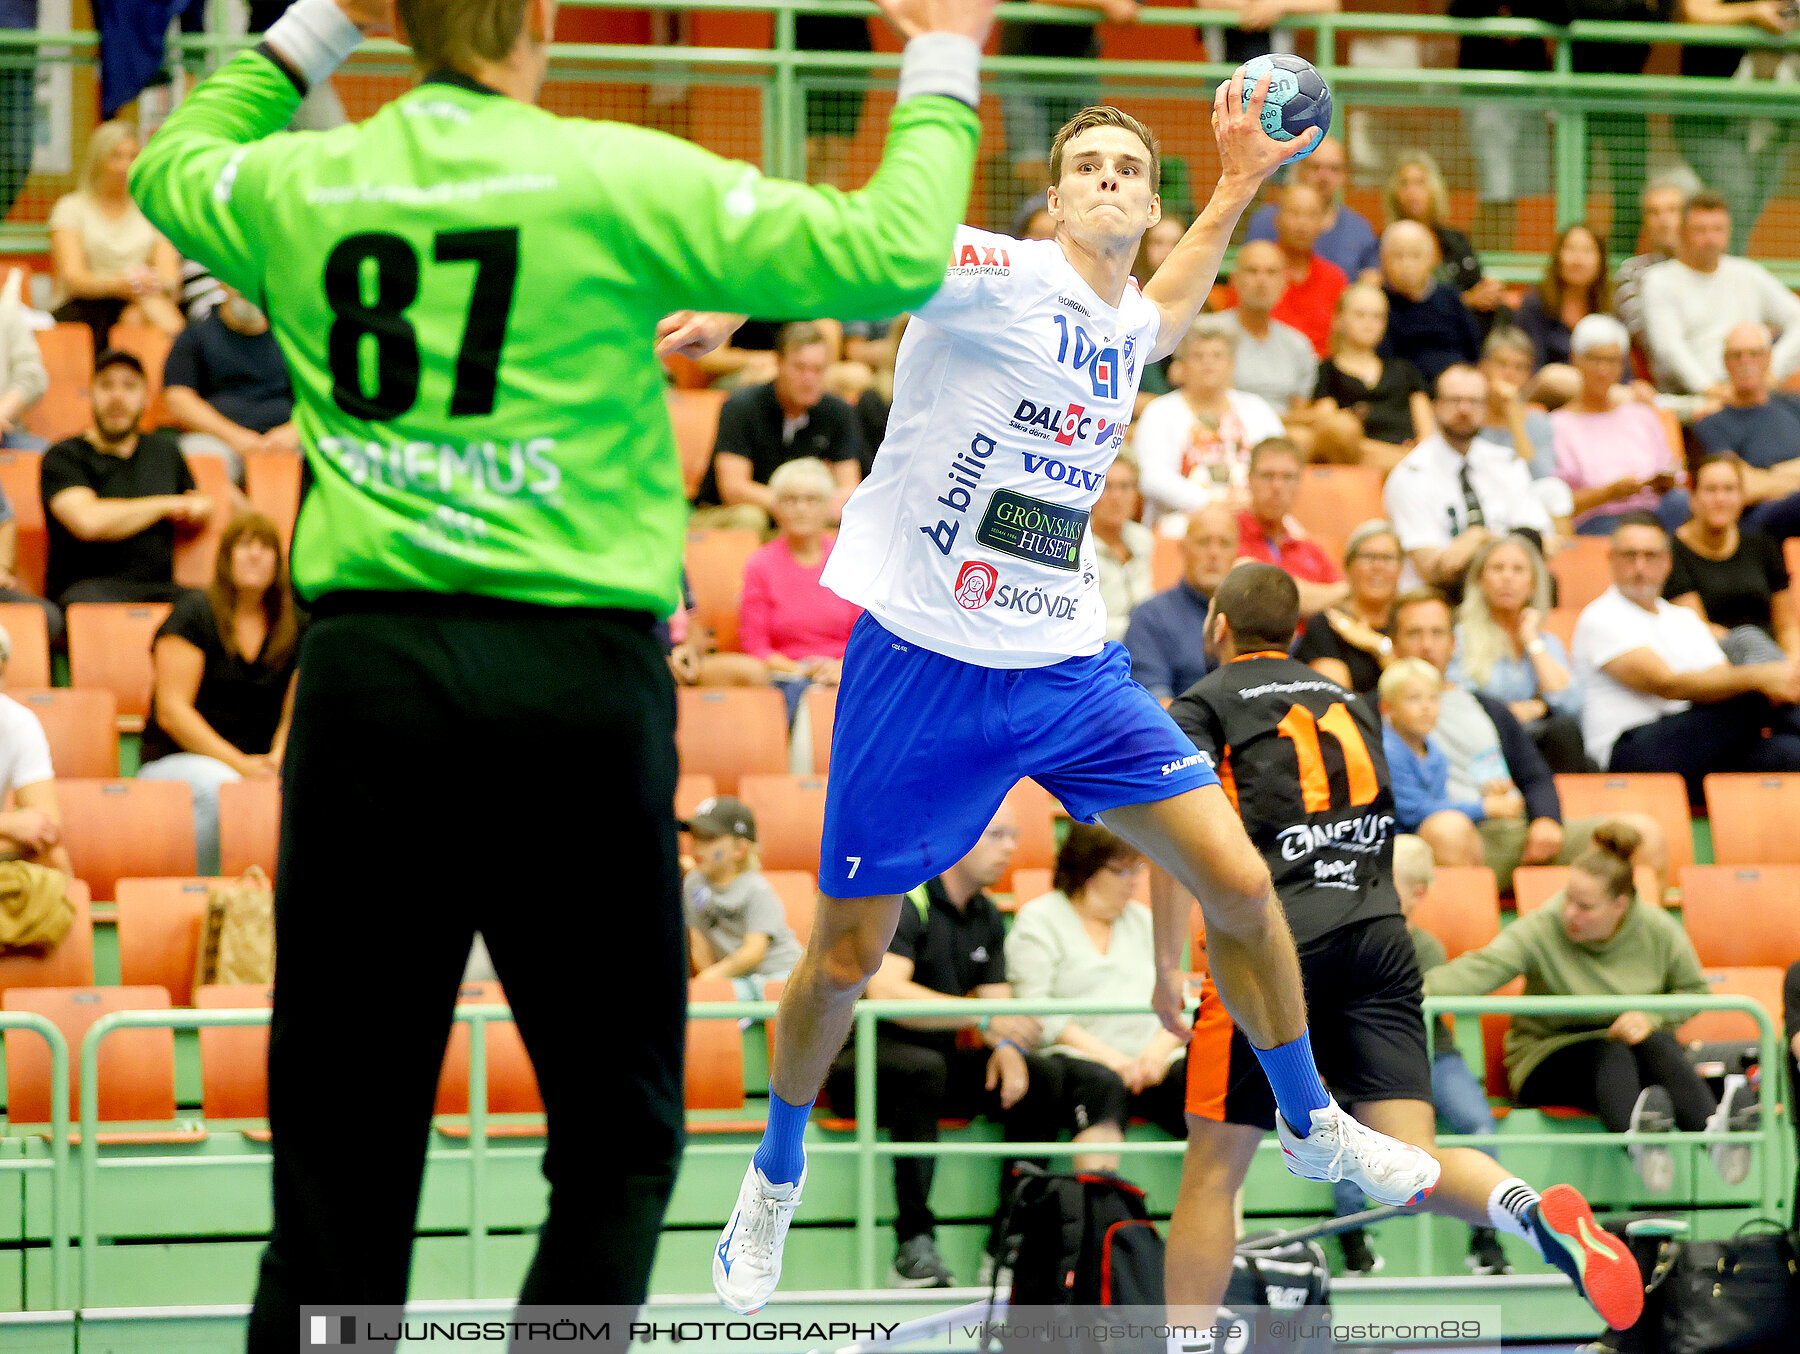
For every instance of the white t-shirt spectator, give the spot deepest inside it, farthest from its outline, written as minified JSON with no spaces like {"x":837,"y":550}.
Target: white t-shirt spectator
{"x":1183,"y":464}
{"x":747,"y":906}
{"x":1687,"y":315}
{"x":24,"y":751}
{"x":1424,"y":496}
{"x":1280,"y":367}
{"x":1611,"y":626}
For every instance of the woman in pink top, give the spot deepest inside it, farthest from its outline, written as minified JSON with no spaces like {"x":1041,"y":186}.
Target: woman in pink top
{"x":1611,"y":451}
{"x":786,"y":618}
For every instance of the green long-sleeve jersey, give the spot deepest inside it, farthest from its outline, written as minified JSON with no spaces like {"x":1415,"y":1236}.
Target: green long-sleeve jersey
{"x":466,"y":289}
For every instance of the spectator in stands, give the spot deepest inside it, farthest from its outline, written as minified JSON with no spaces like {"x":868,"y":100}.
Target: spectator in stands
{"x":1503,"y":651}
{"x":10,"y":583}
{"x":1456,"y":490}
{"x":1255,"y":34}
{"x":32,"y":829}
{"x":1368,"y":409}
{"x":1514,"y":142}
{"x":1662,"y":203}
{"x":694,"y":657}
{"x":1273,"y":360}
{"x":1661,"y":693}
{"x":1089,"y":939}
{"x":1733,"y":578}
{"x":1193,"y":444}
{"x":1032,"y":119}
{"x":1490,"y":752}
{"x":1348,"y":240}
{"x":1613,"y":454}
{"x":876,"y":400}
{"x":1411,"y":691}
{"x":737,"y":928}
{"x":1428,"y":324}
{"x":765,"y":426}
{"x":1123,"y":546}
{"x":23,"y":379}
{"x":1267,"y":528}
{"x":1166,"y":637}
{"x":832,"y":115}
{"x":1762,"y":426}
{"x":950,"y":943}
{"x":224,"y":665}
{"x":786,"y":617}
{"x":752,"y":357}
{"x":1507,"y":359}
{"x":1349,"y":643}
{"x":1596,"y":939}
{"x":110,"y":263}
{"x":1416,"y":192}
{"x":1032,"y":219}
{"x":1314,"y":282}
{"x":1158,"y":243}
{"x":114,"y":498}
{"x":227,"y":386}
{"x":1692,"y":301}
{"x":1576,"y":284}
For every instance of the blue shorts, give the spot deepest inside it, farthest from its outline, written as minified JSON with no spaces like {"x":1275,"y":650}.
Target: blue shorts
{"x":925,"y":747}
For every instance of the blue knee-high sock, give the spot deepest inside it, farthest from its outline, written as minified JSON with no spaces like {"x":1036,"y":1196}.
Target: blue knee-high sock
{"x":781,"y":1156}
{"x":1294,"y":1077}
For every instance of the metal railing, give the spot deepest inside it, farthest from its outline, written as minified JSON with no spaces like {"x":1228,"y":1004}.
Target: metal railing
{"x":57,"y":1165}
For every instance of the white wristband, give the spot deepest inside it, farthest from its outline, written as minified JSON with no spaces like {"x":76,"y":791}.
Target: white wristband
{"x":314,"y":37}
{"x":940,"y":63}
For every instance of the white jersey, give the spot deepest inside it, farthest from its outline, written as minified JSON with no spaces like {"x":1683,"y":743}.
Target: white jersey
{"x":1012,"y":391}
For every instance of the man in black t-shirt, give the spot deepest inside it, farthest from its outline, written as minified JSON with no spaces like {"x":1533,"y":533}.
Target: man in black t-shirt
{"x":1302,"y":760}
{"x":227,"y":386}
{"x":951,"y":942}
{"x":763,"y":427}
{"x":114,"y":498}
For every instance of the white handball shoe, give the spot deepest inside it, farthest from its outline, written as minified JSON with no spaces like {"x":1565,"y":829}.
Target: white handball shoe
{"x":746,"y":1263}
{"x":1340,"y":1148}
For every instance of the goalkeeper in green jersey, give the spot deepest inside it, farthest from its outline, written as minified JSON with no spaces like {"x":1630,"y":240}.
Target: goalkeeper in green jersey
{"x":468,"y":291}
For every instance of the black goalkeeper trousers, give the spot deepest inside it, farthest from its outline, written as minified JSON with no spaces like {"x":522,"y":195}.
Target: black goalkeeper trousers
{"x":459,"y":765}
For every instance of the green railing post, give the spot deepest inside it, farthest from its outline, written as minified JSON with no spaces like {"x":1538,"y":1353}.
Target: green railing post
{"x":865,"y":1148}
{"x":792,"y":159}
{"x":59,"y":1146}
{"x":1571,"y":143}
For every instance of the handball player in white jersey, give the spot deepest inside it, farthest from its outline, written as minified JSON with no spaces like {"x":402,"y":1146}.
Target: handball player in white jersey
{"x":981,"y":657}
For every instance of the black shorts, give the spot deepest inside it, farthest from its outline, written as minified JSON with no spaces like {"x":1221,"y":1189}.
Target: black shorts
{"x":1363,"y":1001}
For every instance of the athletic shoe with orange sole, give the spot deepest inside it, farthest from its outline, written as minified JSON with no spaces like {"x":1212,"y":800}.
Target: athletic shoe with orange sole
{"x":1597,"y":1262}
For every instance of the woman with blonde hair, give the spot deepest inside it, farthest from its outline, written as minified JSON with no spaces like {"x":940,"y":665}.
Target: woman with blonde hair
{"x":1367,"y":409}
{"x":1503,"y":650}
{"x":224,"y":666}
{"x":1416,"y":192}
{"x":110,"y":263}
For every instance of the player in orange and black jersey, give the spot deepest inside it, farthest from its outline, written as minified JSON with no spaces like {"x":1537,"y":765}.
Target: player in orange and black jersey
{"x":1301,"y":758}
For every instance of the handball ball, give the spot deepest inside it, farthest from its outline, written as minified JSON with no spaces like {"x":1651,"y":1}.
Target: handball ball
{"x":1298,"y":98}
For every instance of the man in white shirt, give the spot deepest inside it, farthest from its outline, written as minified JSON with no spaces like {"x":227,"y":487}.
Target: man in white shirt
{"x":1694,"y":299}
{"x":1661,"y":695}
{"x":1456,"y":490}
{"x":1274,"y":360}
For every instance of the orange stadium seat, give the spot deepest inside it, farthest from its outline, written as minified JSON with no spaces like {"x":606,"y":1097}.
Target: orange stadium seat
{"x":159,"y":932}
{"x":1740,"y":915}
{"x":1762,"y":984}
{"x":1753,"y":815}
{"x":1661,"y":795}
{"x":691,"y":791}
{"x":1494,"y":1026}
{"x":30,"y":635}
{"x":19,"y":482}
{"x":272,"y":484}
{"x":728,"y":732}
{"x":1336,"y":499}
{"x":819,"y":705}
{"x":790,"y":819}
{"x":234,"y":1059}
{"x":1462,"y":908}
{"x":1560,"y":621}
{"x":124,"y":829}
{"x":1582,"y":571}
{"x":512,"y":1083}
{"x":715,"y":573}
{"x":1535,"y":885}
{"x":713,"y":1078}
{"x":69,"y":964}
{"x":249,"y":826}
{"x":1026,"y":885}
{"x":109,"y":648}
{"x":1037,"y":810}
{"x":137,"y":1066}
{"x":68,"y":353}
{"x":197,"y":552}
{"x":799,"y":894}
{"x":695,"y":416}
{"x":81,"y":725}
{"x":1166,"y":563}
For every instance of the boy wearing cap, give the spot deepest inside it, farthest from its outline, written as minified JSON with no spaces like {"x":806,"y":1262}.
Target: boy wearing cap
{"x":114,"y":498}
{"x":737,"y":928}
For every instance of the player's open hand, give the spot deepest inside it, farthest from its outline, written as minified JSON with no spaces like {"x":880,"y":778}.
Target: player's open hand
{"x":1246,"y":151}
{"x":969,"y":18}
{"x":694,"y":333}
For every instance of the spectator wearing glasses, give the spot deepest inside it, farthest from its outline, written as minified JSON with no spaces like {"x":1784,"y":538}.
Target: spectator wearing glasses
{"x":1761,"y":425}
{"x":1349,"y":642}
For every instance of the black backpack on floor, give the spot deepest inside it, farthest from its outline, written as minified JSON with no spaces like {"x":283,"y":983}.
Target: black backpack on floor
{"x":1273,"y":1282}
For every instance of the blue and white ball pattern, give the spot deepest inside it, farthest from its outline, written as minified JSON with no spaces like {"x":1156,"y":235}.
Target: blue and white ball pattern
{"x":1298,"y":98}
